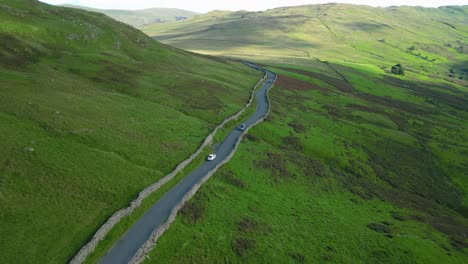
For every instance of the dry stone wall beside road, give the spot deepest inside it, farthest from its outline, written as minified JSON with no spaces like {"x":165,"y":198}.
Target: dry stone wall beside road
{"x":86,"y":250}
{"x":146,"y":248}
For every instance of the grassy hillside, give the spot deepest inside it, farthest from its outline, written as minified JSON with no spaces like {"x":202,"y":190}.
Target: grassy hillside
{"x":421,"y":38}
{"x":338,"y":173}
{"x":139,"y":18}
{"x":354,"y":164}
{"x":91,"y":112}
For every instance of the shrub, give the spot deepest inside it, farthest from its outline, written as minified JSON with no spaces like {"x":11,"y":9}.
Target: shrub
{"x":381,"y":228}
{"x":230,"y":178}
{"x":194,"y":210}
{"x":298,"y":257}
{"x":242,"y":245}
{"x":276,"y":163}
{"x":293,"y":143}
{"x":398,"y":69}
{"x":314,"y":167}
{"x":399,"y":216}
{"x":251,"y":137}
{"x":297,"y":126}
{"x":250,"y":225}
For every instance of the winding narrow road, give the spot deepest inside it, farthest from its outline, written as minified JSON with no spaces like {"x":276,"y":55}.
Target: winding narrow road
{"x":140,"y":232}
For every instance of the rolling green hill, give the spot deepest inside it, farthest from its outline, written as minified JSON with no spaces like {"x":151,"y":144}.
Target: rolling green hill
{"x":139,"y":18}
{"x":92,"y":111}
{"x":354,"y":164}
{"x":422,"y":38}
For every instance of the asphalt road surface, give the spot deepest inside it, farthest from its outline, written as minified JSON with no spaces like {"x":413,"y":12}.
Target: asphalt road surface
{"x":139,"y":233}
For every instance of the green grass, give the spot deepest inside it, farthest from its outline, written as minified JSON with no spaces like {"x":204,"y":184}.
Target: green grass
{"x":352,"y":165}
{"x":91,"y":112}
{"x":378,"y":37}
{"x":119,"y":230}
{"x":335,"y":177}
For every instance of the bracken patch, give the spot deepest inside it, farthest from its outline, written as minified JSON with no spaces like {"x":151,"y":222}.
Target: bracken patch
{"x":277,"y":164}
{"x":341,"y":85}
{"x":298,"y":257}
{"x":381,"y":228}
{"x":250,"y":225}
{"x":298,"y":85}
{"x":242,"y":245}
{"x":297,"y":126}
{"x":14,"y":53}
{"x":195,"y":210}
{"x":293,"y":143}
{"x":230,"y":178}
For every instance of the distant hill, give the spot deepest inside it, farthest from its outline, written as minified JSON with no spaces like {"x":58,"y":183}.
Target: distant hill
{"x":423,"y":36}
{"x":138,"y":18}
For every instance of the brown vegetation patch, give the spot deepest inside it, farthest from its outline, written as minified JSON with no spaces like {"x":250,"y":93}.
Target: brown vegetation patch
{"x":398,"y":216}
{"x":459,"y":101}
{"x":310,"y":166}
{"x":457,"y":232}
{"x":412,"y":169}
{"x":381,"y":228}
{"x":230,"y":178}
{"x":251,"y":137}
{"x":366,"y":109}
{"x":341,"y":85}
{"x":437,"y":216}
{"x":398,"y":104}
{"x":194,"y":210}
{"x":122,"y":77}
{"x":14,"y":53}
{"x":203,"y":97}
{"x":242,"y":245}
{"x":362,"y":191}
{"x":408,"y":200}
{"x":297,"y":126}
{"x":410,"y":85}
{"x":397,"y":119}
{"x":298,"y":257}
{"x":250,"y":225}
{"x":337,"y":111}
{"x":298,"y":85}
{"x":400,"y":121}
{"x":293,"y":143}
{"x":276,"y":163}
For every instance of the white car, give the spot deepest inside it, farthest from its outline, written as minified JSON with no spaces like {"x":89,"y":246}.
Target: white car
{"x":211,"y":157}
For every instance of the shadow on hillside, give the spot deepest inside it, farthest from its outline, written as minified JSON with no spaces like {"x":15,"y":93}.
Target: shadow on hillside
{"x":15,"y":53}
{"x":364,"y":26}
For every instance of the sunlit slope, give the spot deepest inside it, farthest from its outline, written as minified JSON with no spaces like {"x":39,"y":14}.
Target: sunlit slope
{"x":420,"y":38}
{"x":91,"y":112}
{"x":138,"y":18}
